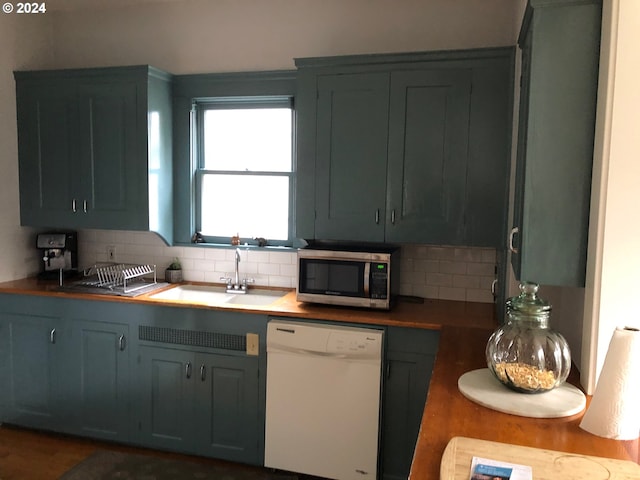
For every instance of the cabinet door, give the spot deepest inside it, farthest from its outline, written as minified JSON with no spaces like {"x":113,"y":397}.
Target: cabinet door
{"x":409,"y":363}
{"x":351,"y":156}
{"x":33,"y":347}
{"x":109,"y":155}
{"x":47,"y":142}
{"x":167,"y":382}
{"x":228,"y":408}
{"x":555,"y":150}
{"x":515,"y":243}
{"x":100,"y":395}
{"x":427,"y":167}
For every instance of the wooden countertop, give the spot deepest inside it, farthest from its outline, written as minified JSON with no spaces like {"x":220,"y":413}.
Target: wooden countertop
{"x":465,"y":328}
{"x":448,"y":413}
{"x":429,"y":314}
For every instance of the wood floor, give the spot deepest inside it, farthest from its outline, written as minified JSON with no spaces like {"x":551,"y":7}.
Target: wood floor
{"x":31,"y":455}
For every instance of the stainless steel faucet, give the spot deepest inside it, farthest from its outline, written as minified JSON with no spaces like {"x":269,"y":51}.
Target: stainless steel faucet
{"x":235,"y":285}
{"x":237,"y":262}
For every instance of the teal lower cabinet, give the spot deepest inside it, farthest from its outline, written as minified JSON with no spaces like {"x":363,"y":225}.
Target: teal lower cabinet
{"x":178,"y":379}
{"x":32,"y":349}
{"x":198,"y":390}
{"x":409,"y":362}
{"x":99,"y":376}
{"x":63,"y":372}
{"x":200,"y":403}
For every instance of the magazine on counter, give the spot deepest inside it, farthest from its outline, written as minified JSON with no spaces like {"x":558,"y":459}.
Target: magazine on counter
{"x":487,"y":469}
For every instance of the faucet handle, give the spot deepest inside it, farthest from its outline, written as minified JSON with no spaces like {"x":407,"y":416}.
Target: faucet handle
{"x":227,"y":280}
{"x":248,"y":280}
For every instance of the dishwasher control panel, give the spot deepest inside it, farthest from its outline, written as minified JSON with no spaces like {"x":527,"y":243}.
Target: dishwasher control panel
{"x":354,"y":344}
{"x":324,"y":339}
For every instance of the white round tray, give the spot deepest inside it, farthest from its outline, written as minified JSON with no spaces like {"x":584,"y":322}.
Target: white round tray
{"x":482,"y":387}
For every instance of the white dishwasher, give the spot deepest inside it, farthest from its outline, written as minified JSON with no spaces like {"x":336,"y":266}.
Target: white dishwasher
{"x":323,"y":399}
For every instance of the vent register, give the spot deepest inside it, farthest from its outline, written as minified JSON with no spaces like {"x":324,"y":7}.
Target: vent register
{"x":248,"y":343}
{"x":193,"y":338}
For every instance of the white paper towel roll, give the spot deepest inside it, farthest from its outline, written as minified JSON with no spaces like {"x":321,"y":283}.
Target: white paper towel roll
{"x":614,"y":411}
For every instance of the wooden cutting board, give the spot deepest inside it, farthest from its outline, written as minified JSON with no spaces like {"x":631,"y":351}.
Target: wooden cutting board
{"x":546,"y":464}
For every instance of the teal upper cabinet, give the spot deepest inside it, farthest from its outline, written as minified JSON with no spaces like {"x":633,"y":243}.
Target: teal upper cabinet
{"x":560,"y":52}
{"x":352,"y":125}
{"x":95,"y":149}
{"x":428,"y":145}
{"x":404,"y":148}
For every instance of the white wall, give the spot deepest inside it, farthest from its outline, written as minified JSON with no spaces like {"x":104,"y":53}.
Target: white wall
{"x":614,"y":236}
{"x":199,"y":36}
{"x":25,"y":43}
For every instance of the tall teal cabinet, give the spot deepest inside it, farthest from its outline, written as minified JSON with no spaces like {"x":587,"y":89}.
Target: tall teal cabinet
{"x":407,"y":148}
{"x":559,"y":42}
{"x":94,"y":149}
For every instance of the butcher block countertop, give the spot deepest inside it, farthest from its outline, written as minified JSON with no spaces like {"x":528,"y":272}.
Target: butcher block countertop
{"x":464,"y":329}
{"x":429,"y":314}
{"x":449,"y":414}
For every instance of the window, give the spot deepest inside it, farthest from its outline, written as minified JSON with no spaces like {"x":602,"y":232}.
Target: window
{"x":244,"y":168}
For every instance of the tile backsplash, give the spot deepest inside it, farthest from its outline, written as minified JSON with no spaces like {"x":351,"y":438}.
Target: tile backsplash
{"x":441,"y":272}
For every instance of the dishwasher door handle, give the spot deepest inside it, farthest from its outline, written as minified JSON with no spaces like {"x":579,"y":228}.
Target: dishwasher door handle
{"x":312,"y":353}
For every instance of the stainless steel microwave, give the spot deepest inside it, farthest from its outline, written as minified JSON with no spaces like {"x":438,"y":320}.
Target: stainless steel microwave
{"x":350,"y":277}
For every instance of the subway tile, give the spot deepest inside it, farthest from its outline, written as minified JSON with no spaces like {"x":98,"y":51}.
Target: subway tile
{"x":489,"y":255}
{"x":269,"y":269}
{"x":440,"y":253}
{"x":468,"y":254}
{"x":439,"y":279}
{"x":446,"y":266}
{"x":280,"y":281}
{"x":215,"y":254}
{"x":415,"y":278}
{"x":479,"y":295}
{"x":465,"y":281}
{"x":428,"y":271}
{"x":485,"y":269}
{"x":426,"y":291}
{"x":450,"y":293}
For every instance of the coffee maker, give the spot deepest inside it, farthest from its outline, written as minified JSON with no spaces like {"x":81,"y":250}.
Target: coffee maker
{"x":59,"y":253}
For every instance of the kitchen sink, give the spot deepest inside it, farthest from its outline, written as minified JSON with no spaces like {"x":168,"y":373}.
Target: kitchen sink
{"x":212,"y":295}
{"x":254,"y":298}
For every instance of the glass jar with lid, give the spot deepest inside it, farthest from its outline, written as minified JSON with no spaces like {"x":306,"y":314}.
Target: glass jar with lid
{"x":524,"y":353}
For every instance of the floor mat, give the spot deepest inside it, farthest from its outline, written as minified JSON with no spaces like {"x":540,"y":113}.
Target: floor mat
{"x":108,"y":465}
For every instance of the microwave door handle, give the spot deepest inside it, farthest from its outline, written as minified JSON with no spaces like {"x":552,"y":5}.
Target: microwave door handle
{"x":367,"y":271}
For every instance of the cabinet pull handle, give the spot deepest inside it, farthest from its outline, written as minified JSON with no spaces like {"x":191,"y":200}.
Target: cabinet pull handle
{"x":122,"y":343}
{"x":73,"y":206}
{"x":203,"y":373}
{"x":84,"y":206}
{"x":393,"y":216}
{"x":377,"y":216}
{"x":494,"y":284}
{"x":388,"y":370}
{"x":52,"y":335}
{"x":513,"y":233}
{"x":187,"y":369}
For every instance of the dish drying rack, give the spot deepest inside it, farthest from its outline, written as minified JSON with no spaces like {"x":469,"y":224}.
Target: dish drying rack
{"x":122,"y":276}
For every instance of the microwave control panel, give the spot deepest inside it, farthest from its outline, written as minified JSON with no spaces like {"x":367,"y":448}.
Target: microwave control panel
{"x":378,"y":280}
